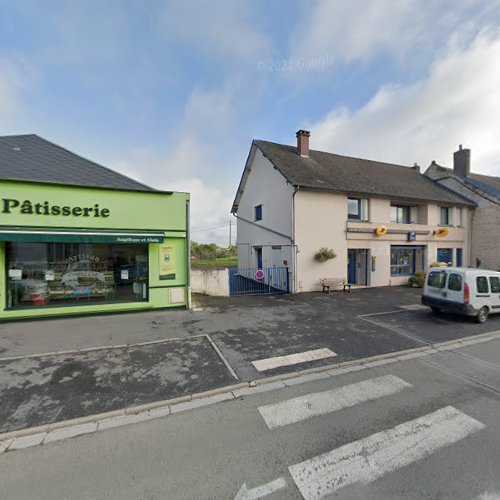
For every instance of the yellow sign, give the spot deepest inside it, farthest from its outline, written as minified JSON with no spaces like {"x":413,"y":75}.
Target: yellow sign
{"x":381,"y":231}
{"x":167,"y":261}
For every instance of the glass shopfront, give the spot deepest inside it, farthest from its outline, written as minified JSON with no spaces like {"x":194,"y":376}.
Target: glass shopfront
{"x":57,"y":274}
{"x":406,"y":260}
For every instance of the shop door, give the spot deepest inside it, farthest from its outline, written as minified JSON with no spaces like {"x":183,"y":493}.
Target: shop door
{"x":459,"y":257}
{"x":362,"y":267}
{"x":351,"y":266}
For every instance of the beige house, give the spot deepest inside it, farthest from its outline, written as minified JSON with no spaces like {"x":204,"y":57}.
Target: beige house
{"x":484,"y":191}
{"x":292,"y":201}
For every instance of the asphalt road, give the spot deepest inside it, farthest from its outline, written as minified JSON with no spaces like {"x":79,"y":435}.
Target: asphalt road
{"x":423,"y":428}
{"x":188,"y":352}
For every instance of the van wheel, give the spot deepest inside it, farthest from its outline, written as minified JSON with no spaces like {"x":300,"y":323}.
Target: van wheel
{"x":482,"y":315}
{"x":435,"y":310}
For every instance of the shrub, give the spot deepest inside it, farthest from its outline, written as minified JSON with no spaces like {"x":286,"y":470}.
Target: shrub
{"x":417,"y":280}
{"x":324,"y":254}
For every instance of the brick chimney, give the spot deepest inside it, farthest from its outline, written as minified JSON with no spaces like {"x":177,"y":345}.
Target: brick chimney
{"x":461,"y":162}
{"x":303,"y":142}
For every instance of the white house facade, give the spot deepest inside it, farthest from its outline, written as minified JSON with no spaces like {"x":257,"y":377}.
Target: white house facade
{"x":384,"y":222}
{"x":484,"y":191}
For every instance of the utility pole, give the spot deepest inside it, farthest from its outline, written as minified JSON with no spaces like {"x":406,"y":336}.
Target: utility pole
{"x":230,"y":221}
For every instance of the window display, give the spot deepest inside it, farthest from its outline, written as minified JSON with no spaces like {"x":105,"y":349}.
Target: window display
{"x":42,"y":274}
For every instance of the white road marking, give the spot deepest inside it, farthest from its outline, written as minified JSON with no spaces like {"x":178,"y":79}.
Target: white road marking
{"x":414,"y":307}
{"x":261,"y":491}
{"x":321,"y":403}
{"x":292,"y":359}
{"x":370,"y":458}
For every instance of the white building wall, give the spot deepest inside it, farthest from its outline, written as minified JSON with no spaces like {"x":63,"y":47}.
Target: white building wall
{"x":321,"y":221}
{"x":267,"y":187}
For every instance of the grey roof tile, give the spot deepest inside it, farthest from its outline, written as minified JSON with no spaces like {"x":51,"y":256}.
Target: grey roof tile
{"x":32,"y":158}
{"x":332,"y":172}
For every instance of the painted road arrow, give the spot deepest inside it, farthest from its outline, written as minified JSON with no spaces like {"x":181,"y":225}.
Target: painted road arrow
{"x":261,"y":491}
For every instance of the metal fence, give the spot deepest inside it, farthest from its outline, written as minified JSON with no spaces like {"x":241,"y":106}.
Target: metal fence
{"x":264,"y":281}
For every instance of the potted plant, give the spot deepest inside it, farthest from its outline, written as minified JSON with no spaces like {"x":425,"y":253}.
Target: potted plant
{"x":324,"y":254}
{"x":417,"y":280}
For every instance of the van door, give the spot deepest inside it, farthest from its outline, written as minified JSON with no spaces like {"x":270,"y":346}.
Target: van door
{"x":455,"y":290}
{"x":482,"y":296}
{"x":436,"y":283}
{"x":495,"y":293}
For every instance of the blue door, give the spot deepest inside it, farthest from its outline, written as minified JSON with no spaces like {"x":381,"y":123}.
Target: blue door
{"x":445,"y":255}
{"x":258,"y":254}
{"x":460,"y":257}
{"x":351,"y":266}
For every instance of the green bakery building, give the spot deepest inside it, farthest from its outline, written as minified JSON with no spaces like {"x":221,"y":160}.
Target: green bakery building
{"x":79,"y":238}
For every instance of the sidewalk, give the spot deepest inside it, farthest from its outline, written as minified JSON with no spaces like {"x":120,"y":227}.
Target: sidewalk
{"x":184,"y":352}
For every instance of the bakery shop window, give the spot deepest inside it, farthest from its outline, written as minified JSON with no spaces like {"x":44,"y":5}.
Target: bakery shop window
{"x":58,"y":274}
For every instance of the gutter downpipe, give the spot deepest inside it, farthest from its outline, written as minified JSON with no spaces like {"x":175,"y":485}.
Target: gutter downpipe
{"x":188,"y":252}
{"x":294,"y":246}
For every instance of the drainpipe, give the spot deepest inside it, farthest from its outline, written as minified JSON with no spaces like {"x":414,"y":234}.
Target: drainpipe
{"x":188,"y":252}
{"x":295,"y":249}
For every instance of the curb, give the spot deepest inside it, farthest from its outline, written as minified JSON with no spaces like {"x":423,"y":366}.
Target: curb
{"x":57,"y":431}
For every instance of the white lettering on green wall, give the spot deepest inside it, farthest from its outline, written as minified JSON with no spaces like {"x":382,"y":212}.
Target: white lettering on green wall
{"x":27,"y":207}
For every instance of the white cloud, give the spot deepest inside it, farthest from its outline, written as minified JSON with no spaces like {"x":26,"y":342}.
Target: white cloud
{"x":408,"y":30}
{"x":454,"y":104}
{"x":223,"y":29}
{"x":209,"y":210}
{"x":14,"y":78}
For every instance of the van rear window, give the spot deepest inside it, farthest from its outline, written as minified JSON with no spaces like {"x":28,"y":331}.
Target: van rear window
{"x":482,"y":284}
{"x":437,"y":279}
{"x":455,"y":282}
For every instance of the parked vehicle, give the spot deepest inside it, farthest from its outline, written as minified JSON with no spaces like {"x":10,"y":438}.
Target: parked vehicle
{"x":473,"y":292}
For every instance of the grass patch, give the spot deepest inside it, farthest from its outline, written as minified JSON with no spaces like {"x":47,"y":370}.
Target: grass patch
{"x":221,"y":262}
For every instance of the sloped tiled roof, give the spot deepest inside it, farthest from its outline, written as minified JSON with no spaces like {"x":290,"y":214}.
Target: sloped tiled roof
{"x":487,"y":183}
{"x":31,"y":158}
{"x":332,"y":172}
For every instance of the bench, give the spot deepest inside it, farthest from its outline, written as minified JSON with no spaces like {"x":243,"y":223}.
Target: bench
{"x":328,"y":283}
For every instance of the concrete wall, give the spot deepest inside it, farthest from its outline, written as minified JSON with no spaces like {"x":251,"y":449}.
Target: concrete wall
{"x":210,"y":281}
{"x":267,"y":187}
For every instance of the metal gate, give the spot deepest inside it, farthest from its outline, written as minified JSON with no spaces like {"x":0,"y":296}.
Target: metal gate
{"x":263,"y":281}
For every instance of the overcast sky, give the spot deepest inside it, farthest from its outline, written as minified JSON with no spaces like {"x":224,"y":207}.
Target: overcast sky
{"x":173,"y":92}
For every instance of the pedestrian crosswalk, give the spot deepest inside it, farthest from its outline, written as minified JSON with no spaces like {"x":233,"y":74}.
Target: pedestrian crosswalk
{"x":371,"y":457}
{"x":321,"y":403}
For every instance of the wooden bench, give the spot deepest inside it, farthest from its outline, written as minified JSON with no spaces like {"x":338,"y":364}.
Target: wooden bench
{"x":328,"y":283}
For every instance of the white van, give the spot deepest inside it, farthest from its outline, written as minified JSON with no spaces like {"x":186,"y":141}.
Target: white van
{"x":473,"y":292}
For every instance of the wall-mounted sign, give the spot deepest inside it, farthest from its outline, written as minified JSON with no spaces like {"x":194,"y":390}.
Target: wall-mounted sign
{"x":124,"y":274}
{"x":167,"y":261}
{"x":412,"y":235}
{"x":15,"y":274}
{"x":27,"y":207}
{"x":49,"y":275}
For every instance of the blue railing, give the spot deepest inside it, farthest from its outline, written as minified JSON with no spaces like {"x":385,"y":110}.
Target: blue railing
{"x":264,"y":281}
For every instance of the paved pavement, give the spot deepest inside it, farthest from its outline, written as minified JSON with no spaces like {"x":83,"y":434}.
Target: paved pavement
{"x":203,"y":350}
{"x":422,"y":428}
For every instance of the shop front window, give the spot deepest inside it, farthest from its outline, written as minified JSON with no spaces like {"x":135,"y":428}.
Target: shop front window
{"x":57,"y":274}
{"x":406,"y":260}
